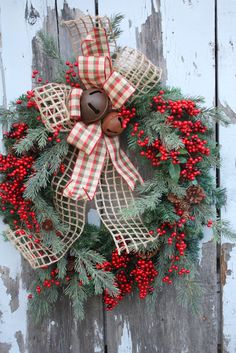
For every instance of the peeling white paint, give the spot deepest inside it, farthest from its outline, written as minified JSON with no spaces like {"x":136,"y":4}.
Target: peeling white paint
{"x":12,"y":321}
{"x":98,"y":333}
{"x":227,"y":89}
{"x":16,"y":37}
{"x":135,"y":12}
{"x":126,"y":340}
{"x":186,"y":38}
{"x":208,"y":235}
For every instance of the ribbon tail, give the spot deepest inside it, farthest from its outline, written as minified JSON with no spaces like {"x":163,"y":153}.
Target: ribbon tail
{"x":122,"y":163}
{"x":112,"y":199}
{"x":86,"y":174}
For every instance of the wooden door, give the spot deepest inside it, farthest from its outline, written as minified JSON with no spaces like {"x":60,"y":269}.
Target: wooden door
{"x":194,"y":43}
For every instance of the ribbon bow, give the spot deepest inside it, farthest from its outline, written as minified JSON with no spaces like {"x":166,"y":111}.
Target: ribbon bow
{"x":95,"y":70}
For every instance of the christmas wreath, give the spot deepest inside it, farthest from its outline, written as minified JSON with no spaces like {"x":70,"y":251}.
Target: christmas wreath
{"x":63,"y":151}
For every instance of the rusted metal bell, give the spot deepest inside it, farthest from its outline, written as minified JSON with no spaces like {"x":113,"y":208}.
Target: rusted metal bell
{"x":94,"y":105}
{"x":112,"y":124}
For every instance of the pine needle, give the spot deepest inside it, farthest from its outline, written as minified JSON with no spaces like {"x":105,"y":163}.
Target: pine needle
{"x":37,"y":136}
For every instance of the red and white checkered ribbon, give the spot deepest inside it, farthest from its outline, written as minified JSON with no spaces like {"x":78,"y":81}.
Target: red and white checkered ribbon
{"x":94,"y":148}
{"x":95,"y":70}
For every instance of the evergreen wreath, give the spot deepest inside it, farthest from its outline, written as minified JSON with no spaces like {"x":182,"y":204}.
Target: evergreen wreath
{"x":169,"y":134}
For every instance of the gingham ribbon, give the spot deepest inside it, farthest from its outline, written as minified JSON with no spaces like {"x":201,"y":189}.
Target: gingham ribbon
{"x":95,"y":70}
{"x":94,"y":148}
{"x":74,"y":103}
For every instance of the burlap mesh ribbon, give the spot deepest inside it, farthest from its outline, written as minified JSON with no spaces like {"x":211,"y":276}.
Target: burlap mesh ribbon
{"x":113,"y":196}
{"x":79,"y":28}
{"x":59,"y":107}
{"x":138,"y":70}
{"x":72,"y":214}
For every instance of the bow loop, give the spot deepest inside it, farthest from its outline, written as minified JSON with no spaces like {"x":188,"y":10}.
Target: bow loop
{"x":74,"y":103}
{"x":94,"y":71}
{"x":96,"y":43}
{"x":118,"y":89}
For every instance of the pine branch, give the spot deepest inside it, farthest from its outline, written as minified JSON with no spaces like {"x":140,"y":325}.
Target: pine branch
{"x":146,"y":203}
{"x":172,"y":187}
{"x":49,"y":46}
{"x":85,"y":265}
{"x":221,"y":229}
{"x":47,"y":164}
{"x":215,"y":115}
{"x":62,"y":267}
{"x":41,"y":305}
{"x":219,"y":197}
{"x":155,"y":126}
{"x":39,"y":136}
{"x":189,"y":294}
{"x":78,"y":296}
{"x":115,"y":21}
{"x":46,"y":211}
{"x":157,"y":184}
{"x":52,"y":241}
{"x":165,"y":212}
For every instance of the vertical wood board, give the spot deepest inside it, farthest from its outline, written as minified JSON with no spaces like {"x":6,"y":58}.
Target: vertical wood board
{"x":18,"y":333}
{"x":179,"y":37}
{"x":226,"y":94}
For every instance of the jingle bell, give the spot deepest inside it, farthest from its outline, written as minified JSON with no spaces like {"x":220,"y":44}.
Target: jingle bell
{"x":94,"y":105}
{"x":112,"y":124}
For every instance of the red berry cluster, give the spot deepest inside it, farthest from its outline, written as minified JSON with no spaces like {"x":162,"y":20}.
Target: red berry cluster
{"x":210,"y":223}
{"x":175,"y":237}
{"x":18,"y":130}
{"x":144,"y":274}
{"x":130,"y":271}
{"x":12,"y":188}
{"x":71,"y":74}
{"x":181,"y":116}
{"x":16,"y":169}
{"x":55,"y":135}
{"x":31,"y":102}
{"x":35,"y":75}
{"x":127,"y":115}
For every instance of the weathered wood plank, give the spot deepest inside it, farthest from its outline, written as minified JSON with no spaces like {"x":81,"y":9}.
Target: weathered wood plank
{"x":13,"y":317}
{"x":18,"y":333}
{"x":227,"y":88}
{"x":174,"y":36}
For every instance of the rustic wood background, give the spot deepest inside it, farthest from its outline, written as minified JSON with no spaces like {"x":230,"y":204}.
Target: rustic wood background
{"x":194,"y":43}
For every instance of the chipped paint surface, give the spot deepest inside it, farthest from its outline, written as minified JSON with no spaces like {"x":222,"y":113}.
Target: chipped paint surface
{"x":226,"y":250}
{"x":12,"y":287}
{"x":229,"y":299}
{"x":16,"y":65}
{"x":227,"y":89}
{"x":13,"y":300}
{"x":188,"y":62}
{"x":169,"y":33}
{"x":126,"y":339}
